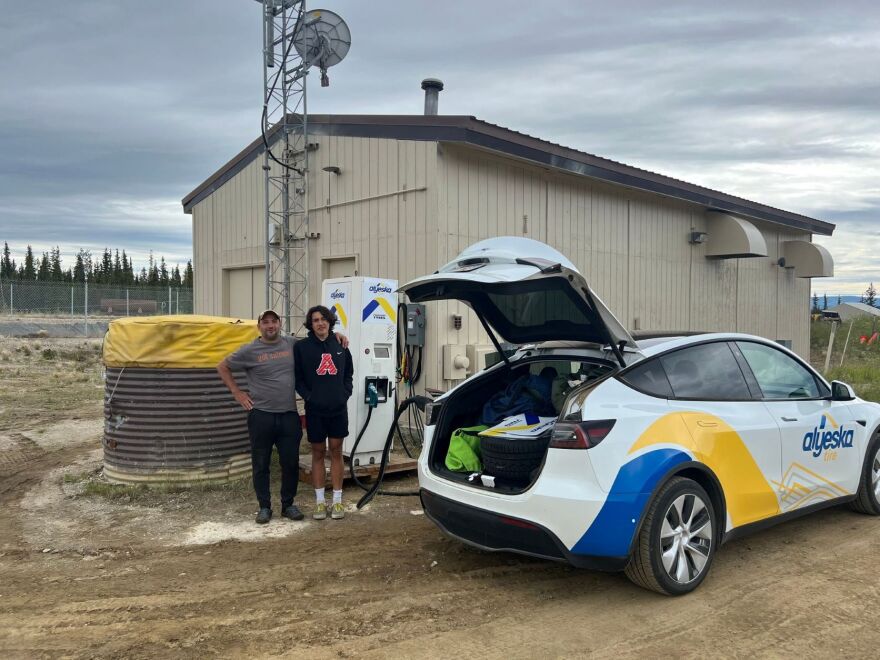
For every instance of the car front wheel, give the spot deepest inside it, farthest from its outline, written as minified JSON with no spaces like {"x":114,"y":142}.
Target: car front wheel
{"x":677,"y":541}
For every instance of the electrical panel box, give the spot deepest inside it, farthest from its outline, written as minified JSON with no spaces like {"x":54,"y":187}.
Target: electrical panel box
{"x":476,"y":354}
{"x":415,"y":324}
{"x":367,"y":311}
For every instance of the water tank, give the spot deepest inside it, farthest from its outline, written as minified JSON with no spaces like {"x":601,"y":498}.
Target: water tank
{"x":168,"y":418}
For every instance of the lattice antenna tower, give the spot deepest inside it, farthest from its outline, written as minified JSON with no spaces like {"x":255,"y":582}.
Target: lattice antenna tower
{"x":294,"y":40}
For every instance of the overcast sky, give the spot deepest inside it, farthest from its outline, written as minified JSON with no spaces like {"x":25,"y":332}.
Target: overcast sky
{"x":111,"y":111}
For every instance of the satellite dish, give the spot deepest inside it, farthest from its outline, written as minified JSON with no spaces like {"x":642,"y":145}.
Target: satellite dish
{"x":323,"y":40}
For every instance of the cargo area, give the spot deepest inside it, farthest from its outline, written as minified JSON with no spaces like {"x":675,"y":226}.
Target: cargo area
{"x":511,"y":463}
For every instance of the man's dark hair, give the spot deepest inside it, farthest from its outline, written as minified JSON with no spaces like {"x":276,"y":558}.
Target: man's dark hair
{"x":328,"y":315}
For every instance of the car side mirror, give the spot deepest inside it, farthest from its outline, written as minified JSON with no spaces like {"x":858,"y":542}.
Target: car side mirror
{"x":841,"y":391}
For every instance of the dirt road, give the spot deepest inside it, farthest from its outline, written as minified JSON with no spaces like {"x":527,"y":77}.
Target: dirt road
{"x":191,"y":576}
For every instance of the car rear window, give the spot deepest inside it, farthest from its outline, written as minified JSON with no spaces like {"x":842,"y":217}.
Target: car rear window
{"x":649,"y":378}
{"x":708,"y":372}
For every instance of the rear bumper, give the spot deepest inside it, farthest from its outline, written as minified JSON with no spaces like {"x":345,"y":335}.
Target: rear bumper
{"x":495,"y":532}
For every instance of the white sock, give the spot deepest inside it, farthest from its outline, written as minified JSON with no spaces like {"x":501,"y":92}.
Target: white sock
{"x":319,"y":495}
{"x":337,"y":497}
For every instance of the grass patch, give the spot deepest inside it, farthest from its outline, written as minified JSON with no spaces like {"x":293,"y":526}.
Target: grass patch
{"x":161,"y":494}
{"x":65,"y":381}
{"x":158,"y":494}
{"x":861,"y":362}
{"x":71,"y":478}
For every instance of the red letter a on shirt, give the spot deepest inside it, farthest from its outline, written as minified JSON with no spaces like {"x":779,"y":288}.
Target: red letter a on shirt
{"x":326,"y":366}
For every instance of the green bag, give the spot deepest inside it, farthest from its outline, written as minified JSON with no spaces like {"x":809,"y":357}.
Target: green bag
{"x":464,"y":450}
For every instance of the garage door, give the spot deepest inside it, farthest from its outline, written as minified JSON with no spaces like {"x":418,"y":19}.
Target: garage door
{"x":245,"y":292}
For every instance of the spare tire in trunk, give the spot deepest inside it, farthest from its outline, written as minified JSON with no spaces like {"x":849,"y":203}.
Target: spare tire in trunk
{"x":512,"y":458}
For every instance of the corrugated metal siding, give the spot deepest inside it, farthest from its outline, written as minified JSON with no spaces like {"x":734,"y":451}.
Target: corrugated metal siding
{"x":378,"y":209}
{"x":173,"y":426}
{"x":228,"y":232}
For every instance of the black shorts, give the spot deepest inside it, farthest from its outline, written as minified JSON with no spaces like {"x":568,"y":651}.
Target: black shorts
{"x":321,"y":427}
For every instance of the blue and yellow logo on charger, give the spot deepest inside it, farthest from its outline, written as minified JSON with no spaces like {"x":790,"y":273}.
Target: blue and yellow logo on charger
{"x":338,"y":297}
{"x":339,"y":310}
{"x":387,"y":313}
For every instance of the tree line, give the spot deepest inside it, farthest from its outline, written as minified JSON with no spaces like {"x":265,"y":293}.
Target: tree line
{"x":869,"y":297}
{"x":110,"y":267}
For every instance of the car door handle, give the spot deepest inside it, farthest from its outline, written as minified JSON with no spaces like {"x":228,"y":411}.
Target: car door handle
{"x":789,"y":419}
{"x":708,"y":425}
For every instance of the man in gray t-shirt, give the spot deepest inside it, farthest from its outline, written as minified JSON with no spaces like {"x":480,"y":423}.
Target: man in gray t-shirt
{"x":267,"y":362}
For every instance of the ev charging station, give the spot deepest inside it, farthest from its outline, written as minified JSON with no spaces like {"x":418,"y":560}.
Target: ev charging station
{"x":367,"y":311}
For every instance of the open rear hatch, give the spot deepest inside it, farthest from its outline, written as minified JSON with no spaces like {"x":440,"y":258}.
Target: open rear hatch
{"x":527,"y":292}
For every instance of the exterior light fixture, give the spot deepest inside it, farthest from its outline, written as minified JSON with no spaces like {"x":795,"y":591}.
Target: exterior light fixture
{"x":698,"y":237}
{"x":332,"y":169}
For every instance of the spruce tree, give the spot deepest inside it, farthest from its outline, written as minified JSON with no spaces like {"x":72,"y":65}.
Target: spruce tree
{"x":816,"y":309}
{"x":106,"y":266}
{"x":188,"y":275}
{"x":79,"y":268}
{"x":870,"y":295}
{"x":29,"y":270}
{"x":55,"y":272}
{"x":44,"y":271}
{"x":824,"y":301}
{"x":127,"y":269}
{"x":7,"y":265}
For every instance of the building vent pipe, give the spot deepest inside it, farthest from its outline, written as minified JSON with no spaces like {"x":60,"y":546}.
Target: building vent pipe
{"x":432,"y":87}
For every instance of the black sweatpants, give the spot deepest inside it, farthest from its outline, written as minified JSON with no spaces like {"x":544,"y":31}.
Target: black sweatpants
{"x":284,"y":431}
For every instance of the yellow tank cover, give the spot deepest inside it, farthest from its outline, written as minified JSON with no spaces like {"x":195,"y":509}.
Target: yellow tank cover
{"x":175,"y":342}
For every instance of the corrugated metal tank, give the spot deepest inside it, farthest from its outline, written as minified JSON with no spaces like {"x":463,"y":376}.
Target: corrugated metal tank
{"x":168,"y":417}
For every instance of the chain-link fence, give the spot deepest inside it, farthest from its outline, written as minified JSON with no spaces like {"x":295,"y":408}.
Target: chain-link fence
{"x":92,"y":300}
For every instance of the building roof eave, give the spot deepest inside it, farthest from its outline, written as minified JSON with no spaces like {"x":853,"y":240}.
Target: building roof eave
{"x":470,"y":131}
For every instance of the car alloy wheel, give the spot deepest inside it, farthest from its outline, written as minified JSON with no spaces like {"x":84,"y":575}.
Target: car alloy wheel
{"x":677,"y":540}
{"x":686,"y":538}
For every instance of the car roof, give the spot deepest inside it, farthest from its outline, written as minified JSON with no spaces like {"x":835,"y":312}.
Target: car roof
{"x":656,"y":345}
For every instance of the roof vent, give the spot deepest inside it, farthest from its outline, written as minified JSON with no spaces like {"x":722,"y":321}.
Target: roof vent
{"x":432,"y":87}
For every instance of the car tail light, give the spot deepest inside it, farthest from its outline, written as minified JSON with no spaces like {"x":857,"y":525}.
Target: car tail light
{"x":580,"y":435}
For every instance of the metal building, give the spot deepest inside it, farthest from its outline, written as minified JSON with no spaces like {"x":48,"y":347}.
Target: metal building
{"x":397,"y":196}
{"x":849,"y":311}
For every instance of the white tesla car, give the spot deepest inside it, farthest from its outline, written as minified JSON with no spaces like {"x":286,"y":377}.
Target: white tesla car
{"x":662,"y":450}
